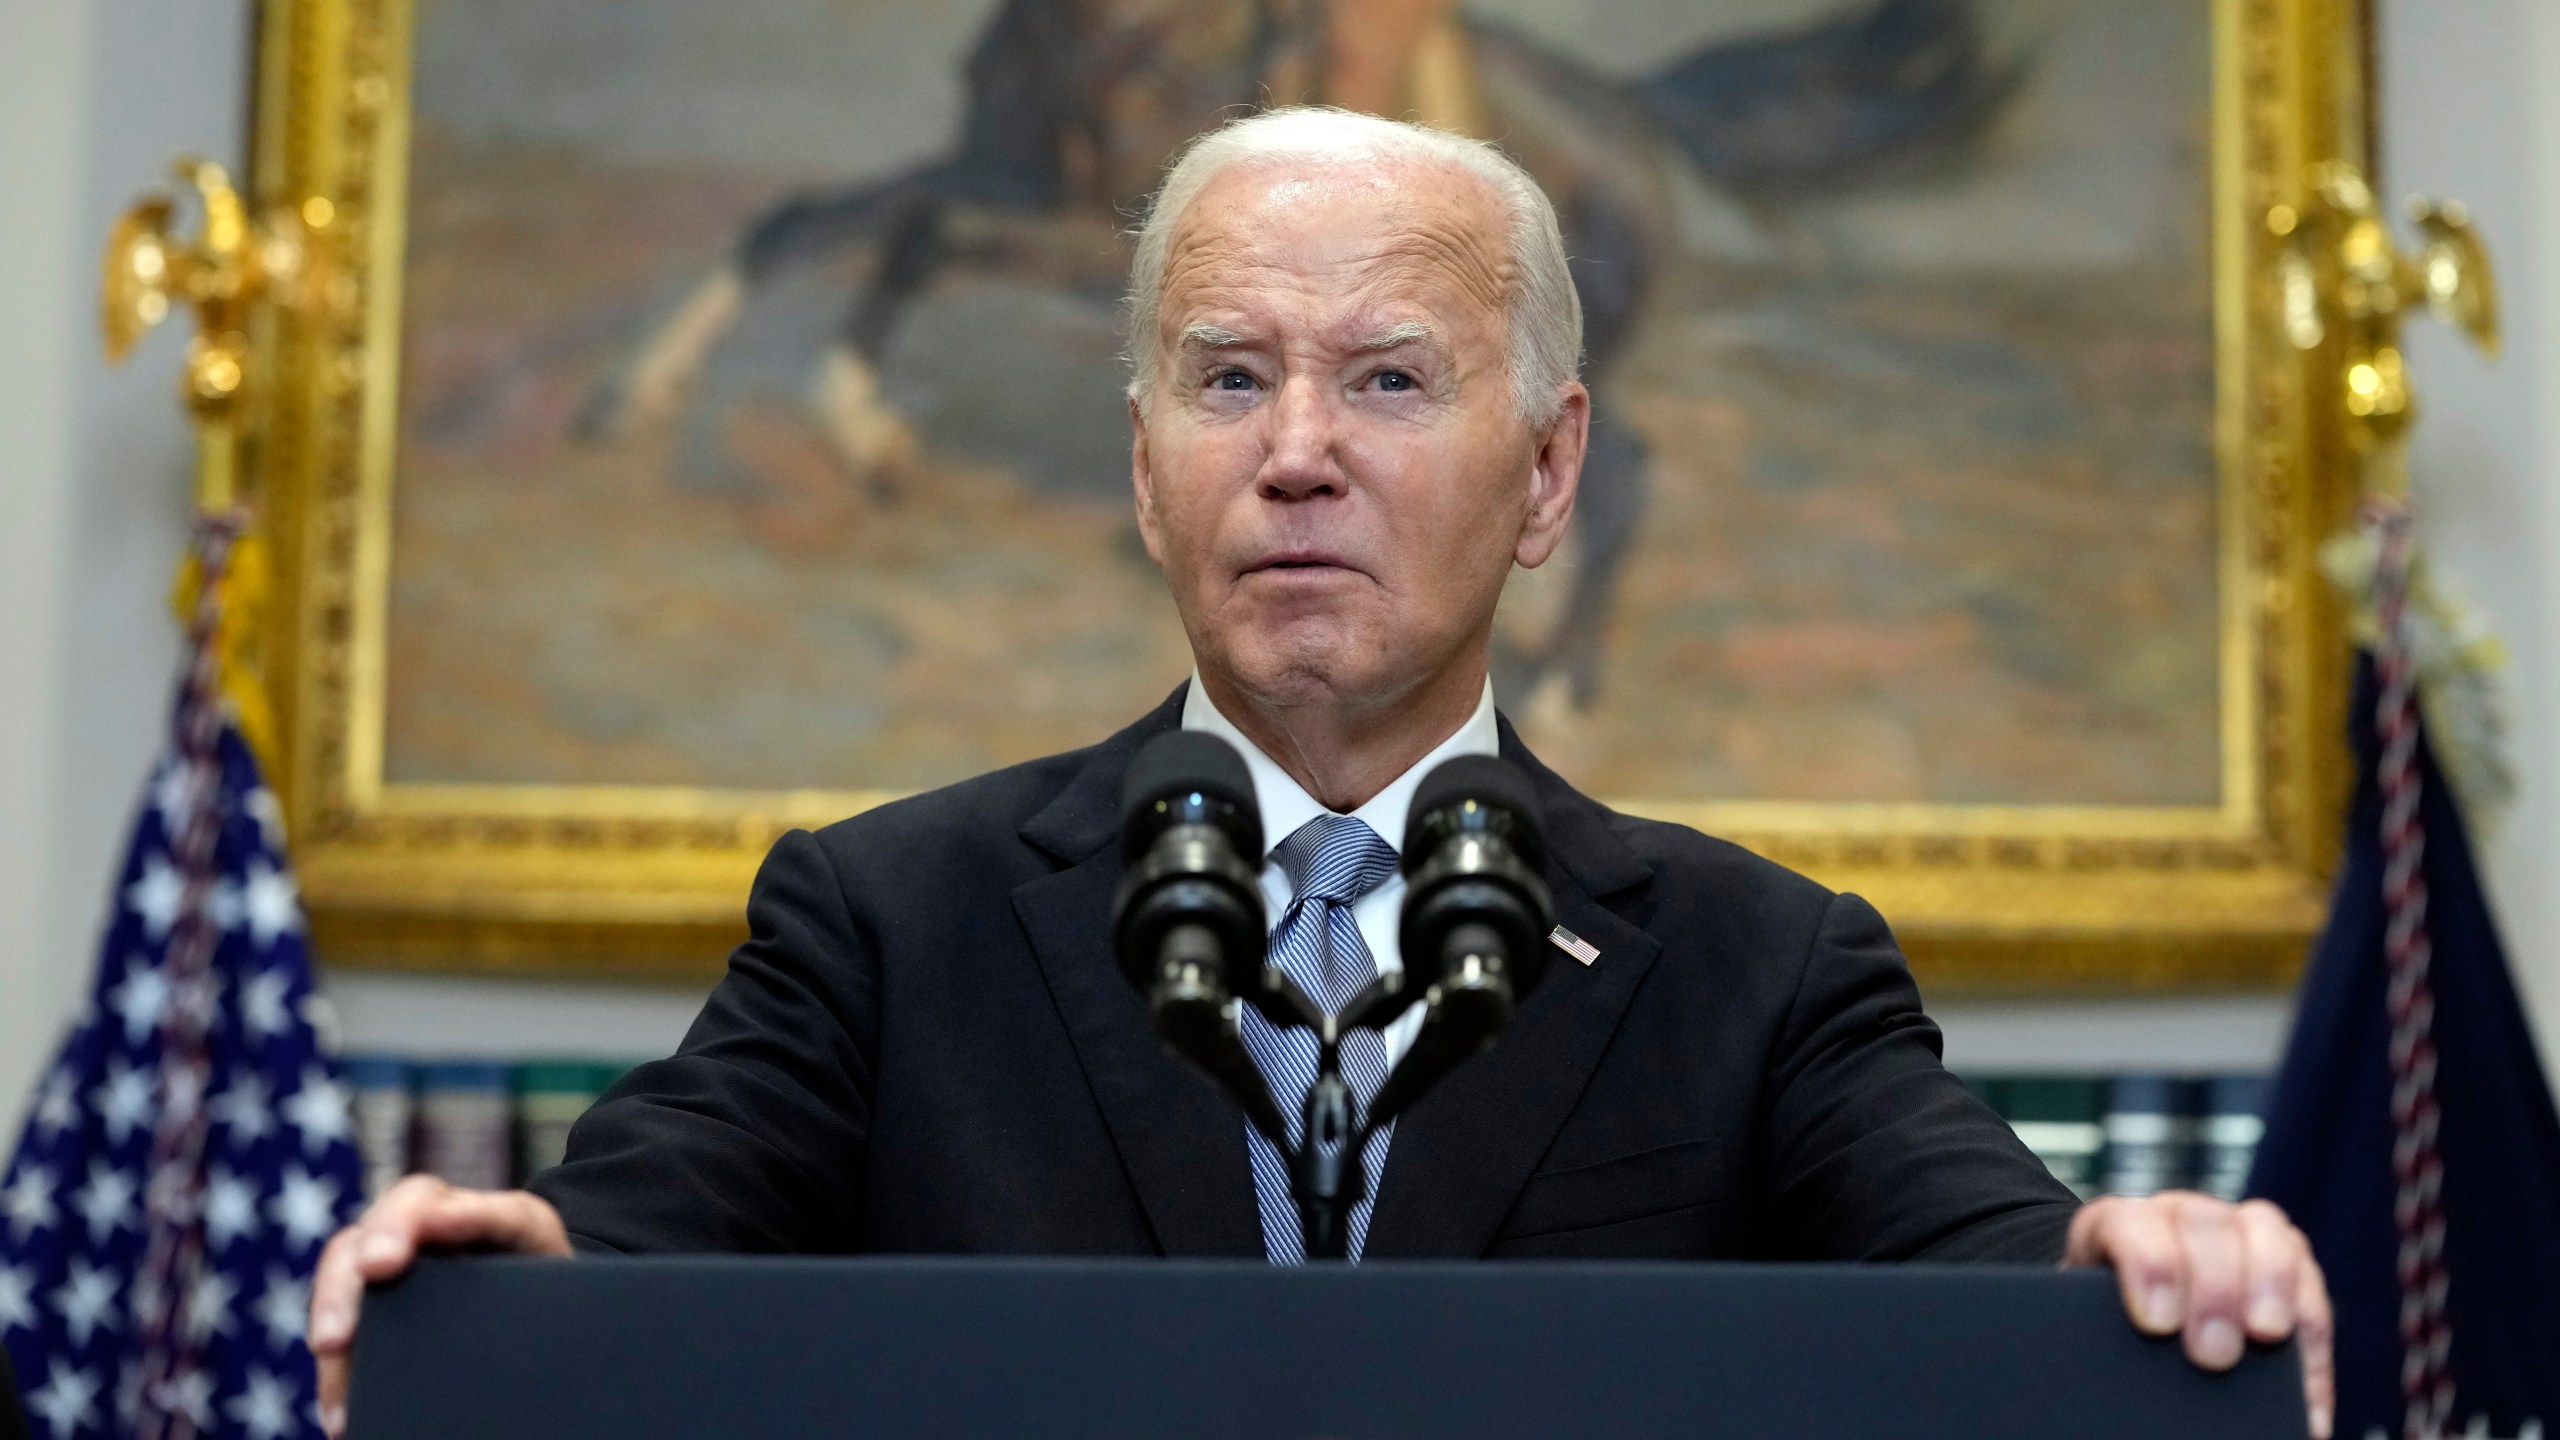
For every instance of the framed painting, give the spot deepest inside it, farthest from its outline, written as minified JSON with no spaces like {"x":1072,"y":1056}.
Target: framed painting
{"x":713,"y":426}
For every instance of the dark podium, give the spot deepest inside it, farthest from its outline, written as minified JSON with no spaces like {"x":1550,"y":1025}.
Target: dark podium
{"x":1060,"y":1349}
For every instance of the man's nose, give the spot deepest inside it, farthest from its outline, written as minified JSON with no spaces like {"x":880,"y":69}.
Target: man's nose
{"x":1302,"y":463}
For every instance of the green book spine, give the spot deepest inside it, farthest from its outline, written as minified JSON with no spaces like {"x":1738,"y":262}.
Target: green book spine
{"x":2061,"y":1118}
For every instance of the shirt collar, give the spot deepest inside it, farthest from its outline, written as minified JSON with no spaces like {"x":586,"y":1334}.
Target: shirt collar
{"x":1286,"y":805}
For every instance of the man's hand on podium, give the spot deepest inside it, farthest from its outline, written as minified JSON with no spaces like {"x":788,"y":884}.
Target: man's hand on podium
{"x":2216,"y":1272}
{"x":419,"y":1213}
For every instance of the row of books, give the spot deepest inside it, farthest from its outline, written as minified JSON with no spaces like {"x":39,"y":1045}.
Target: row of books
{"x":487,"y":1124}
{"x":2135,"y":1133}
{"x":490,"y":1124}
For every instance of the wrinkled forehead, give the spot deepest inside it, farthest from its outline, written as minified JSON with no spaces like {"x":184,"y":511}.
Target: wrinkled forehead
{"x":1345,"y":233}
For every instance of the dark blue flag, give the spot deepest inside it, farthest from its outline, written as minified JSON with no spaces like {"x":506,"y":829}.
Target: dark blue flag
{"x":190,"y":1148}
{"x":2327,"y":1156}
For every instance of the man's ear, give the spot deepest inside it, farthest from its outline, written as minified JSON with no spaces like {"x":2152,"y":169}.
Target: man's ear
{"x":1142,"y":481}
{"x":1555,"y":477}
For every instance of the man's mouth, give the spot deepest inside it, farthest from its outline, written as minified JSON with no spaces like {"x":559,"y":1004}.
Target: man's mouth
{"x":1301,"y":560}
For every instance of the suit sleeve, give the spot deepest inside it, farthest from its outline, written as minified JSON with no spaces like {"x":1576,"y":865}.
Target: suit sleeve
{"x":752,"y":1136}
{"x":1876,"y":1151}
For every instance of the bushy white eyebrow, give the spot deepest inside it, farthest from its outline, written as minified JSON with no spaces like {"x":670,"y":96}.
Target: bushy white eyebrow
{"x":1399,"y":334}
{"x":1209,"y":337}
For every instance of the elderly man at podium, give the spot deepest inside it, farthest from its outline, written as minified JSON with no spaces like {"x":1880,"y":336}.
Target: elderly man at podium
{"x":1354,"y":408}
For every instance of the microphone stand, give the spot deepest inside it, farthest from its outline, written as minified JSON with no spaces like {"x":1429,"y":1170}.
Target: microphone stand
{"x":1465,"y":1009}
{"x":1325,"y":1173}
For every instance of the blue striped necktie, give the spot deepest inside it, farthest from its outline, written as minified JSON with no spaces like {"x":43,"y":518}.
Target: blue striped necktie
{"x":1331,"y":861}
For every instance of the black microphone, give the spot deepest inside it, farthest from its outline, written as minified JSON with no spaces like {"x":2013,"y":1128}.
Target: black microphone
{"x":1188,"y":919}
{"x":1476,"y":916}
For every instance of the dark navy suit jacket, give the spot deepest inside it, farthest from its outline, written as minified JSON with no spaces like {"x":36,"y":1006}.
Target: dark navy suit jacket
{"x":925,"y":1046}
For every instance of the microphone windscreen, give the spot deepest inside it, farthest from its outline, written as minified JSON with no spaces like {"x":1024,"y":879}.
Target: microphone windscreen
{"x":1189,"y":762}
{"x":1495,"y":785}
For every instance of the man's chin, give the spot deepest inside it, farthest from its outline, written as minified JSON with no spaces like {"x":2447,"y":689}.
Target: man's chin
{"x":1328,"y":669}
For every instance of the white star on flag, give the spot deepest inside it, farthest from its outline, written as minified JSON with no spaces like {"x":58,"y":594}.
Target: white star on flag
{"x":67,"y":1403}
{"x":85,"y":1300}
{"x":58,"y":1107}
{"x":262,"y":1004}
{"x":242,"y":1110}
{"x":306,"y":1206}
{"x":223,"y":906}
{"x":191,"y":1395}
{"x":262,"y":806}
{"x":209,"y":1306}
{"x":264,"y":1406}
{"x":230,"y":1209}
{"x":156,"y":896}
{"x":284,"y":1308}
{"x":125,"y":1101}
{"x":17,"y":1299}
{"x":28,"y":1201}
{"x":106,"y":1202}
{"x":142,"y":999}
{"x":272,"y":903}
{"x":319,"y":1111}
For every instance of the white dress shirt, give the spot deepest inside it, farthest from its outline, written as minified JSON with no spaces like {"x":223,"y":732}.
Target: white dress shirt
{"x":1286,"y":806}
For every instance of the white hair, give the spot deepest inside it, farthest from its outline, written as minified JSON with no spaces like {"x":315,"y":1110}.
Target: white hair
{"x":1545,"y":350}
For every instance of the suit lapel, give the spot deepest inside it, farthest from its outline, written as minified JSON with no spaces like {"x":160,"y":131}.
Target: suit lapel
{"x":1181,"y":1140}
{"x":1462,"y":1154}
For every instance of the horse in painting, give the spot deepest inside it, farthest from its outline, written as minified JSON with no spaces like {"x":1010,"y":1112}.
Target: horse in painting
{"x":1075,"y":107}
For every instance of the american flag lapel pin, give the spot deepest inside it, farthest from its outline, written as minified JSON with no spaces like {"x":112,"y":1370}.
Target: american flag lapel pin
{"x":1574,"y":945}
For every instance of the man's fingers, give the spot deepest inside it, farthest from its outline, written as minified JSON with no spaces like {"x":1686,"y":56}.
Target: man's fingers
{"x":418,"y":1211}
{"x":352,"y":1257}
{"x":336,"y":1289}
{"x":336,"y":1286}
{"x":2222,"y":1274}
{"x":2314,"y":1328}
{"x":2217,"y":1271}
{"x":2288,"y":1296}
{"x":385,"y":1236}
{"x":511,"y":1220}
{"x":2276,"y":1254}
{"x":333,"y":1395}
{"x":2137,"y":1240}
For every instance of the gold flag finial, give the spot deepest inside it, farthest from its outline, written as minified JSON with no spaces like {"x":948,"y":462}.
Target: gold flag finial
{"x":236,"y":263}
{"x":2343,"y":275}
{"x":239,"y":261}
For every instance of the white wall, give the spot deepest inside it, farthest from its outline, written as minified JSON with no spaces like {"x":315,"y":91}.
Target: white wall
{"x":39,"y":174}
{"x":95,"y":95}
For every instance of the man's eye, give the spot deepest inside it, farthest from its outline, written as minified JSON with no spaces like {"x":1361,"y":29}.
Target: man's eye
{"x":1231,"y":380}
{"x":1395,"y":380}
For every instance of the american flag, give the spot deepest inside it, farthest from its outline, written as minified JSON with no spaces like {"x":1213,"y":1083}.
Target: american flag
{"x":190,"y":1148}
{"x":1574,"y":945}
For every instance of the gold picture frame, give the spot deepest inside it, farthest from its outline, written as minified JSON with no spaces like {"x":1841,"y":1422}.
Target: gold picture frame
{"x":635,"y":881}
